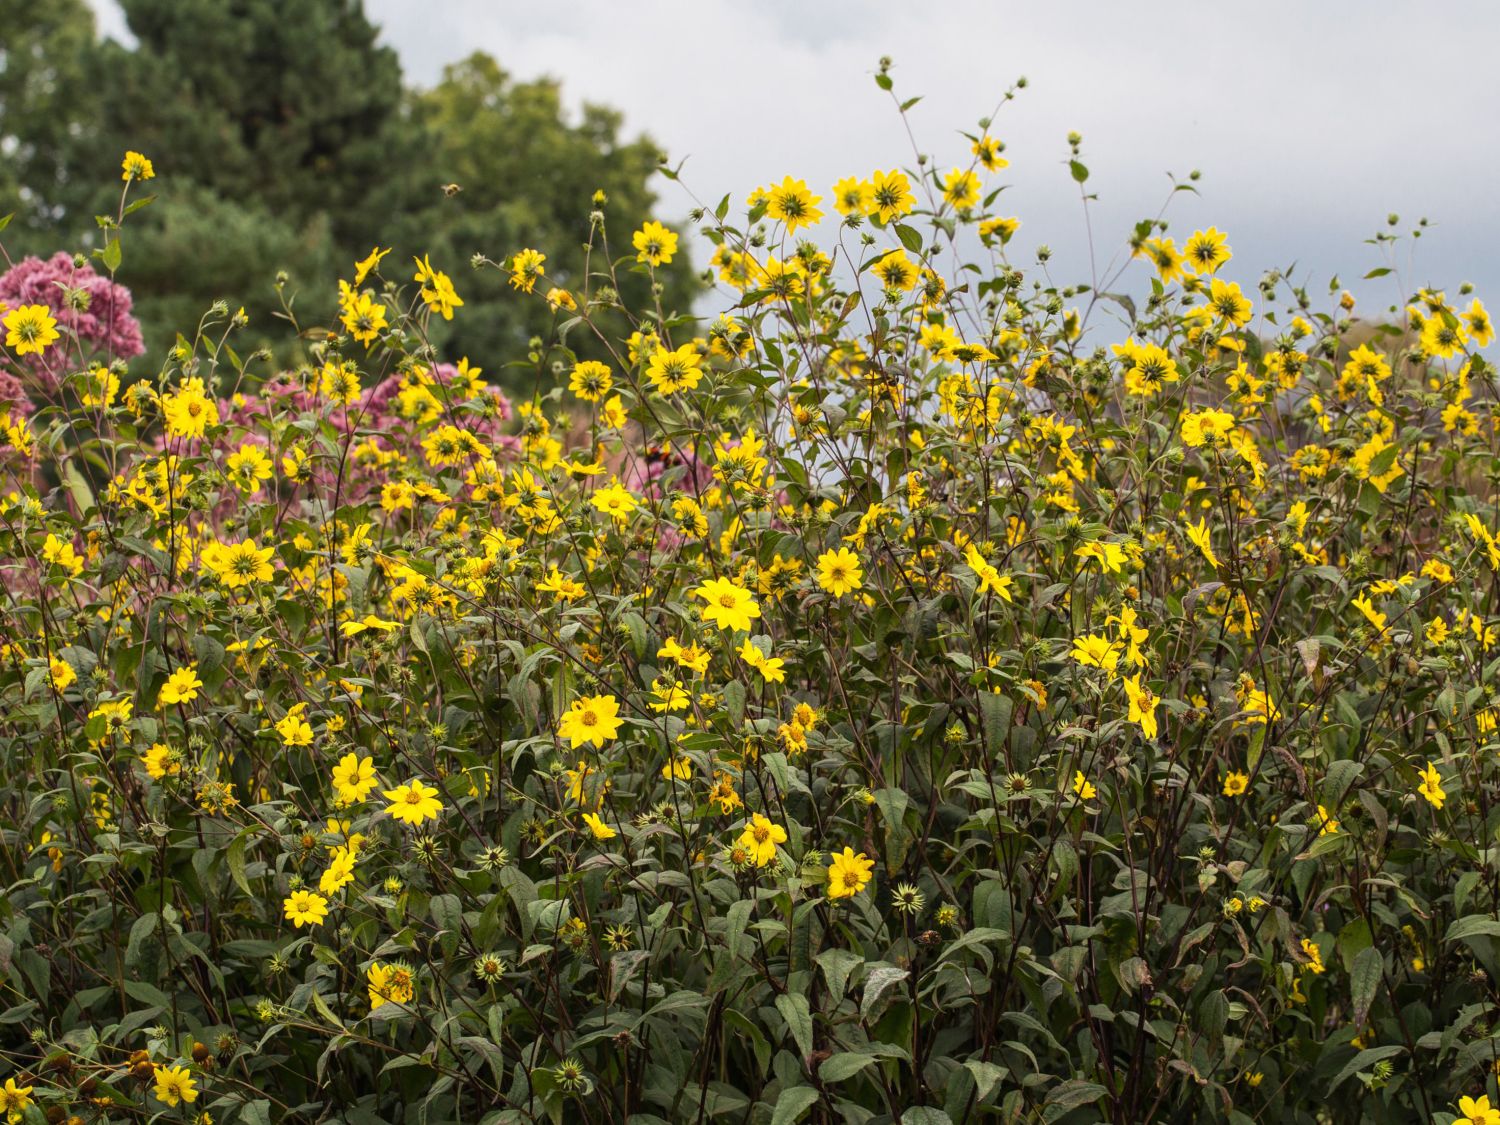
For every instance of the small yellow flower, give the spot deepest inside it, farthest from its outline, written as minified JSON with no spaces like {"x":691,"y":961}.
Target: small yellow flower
{"x":304,"y":908}
{"x":136,"y":167}
{"x":600,"y":830}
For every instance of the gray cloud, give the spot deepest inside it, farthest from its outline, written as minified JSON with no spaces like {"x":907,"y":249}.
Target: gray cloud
{"x":1309,"y":121}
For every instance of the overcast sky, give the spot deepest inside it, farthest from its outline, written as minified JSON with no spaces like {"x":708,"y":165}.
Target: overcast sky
{"x":1309,"y":121}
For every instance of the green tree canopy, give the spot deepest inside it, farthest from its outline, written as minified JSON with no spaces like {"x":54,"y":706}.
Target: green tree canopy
{"x":284,"y":140}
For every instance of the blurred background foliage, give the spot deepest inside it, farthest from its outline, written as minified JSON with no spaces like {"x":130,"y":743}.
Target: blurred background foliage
{"x":285,"y":139}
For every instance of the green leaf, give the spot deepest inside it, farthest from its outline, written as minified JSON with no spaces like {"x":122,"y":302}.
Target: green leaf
{"x":794,"y":1009}
{"x":837,"y":966}
{"x":876,"y":985}
{"x":1080,"y":173}
{"x":909,"y":238}
{"x":1364,"y":979}
{"x":110,"y":255}
{"x":1361,"y":1061}
{"x":986,"y":1077}
{"x":793,"y":1103}
{"x":1475,"y":925}
{"x":844,"y":1064}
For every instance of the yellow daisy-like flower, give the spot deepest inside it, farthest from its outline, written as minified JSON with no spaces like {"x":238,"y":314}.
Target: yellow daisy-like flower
{"x":136,"y":167}
{"x":413,"y":802}
{"x":598,"y":828}
{"x":182,"y":686}
{"x":174,"y":1084}
{"x":616,"y":501}
{"x":839,"y":572}
{"x":353,"y":778}
{"x":848,"y":873}
{"x":591,"y":380}
{"x":759,"y":839}
{"x":340,"y":871}
{"x":727,"y":604}
{"x":1206,"y":251}
{"x":304,"y":908}
{"x":791,"y":203}
{"x":654,"y":244}
{"x":389,"y":984}
{"x":1431,"y":786}
{"x":30,"y":329}
{"x":593,"y":719}
{"x":1095,"y":651}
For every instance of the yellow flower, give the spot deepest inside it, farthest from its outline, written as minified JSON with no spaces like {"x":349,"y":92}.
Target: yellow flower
{"x":363,"y":267}
{"x":413,"y":802}
{"x":188,"y":411}
{"x":363,"y":318}
{"x":30,"y":329}
{"x":594,"y":719}
{"x":437,"y":291}
{"x":848,"y":873}
{"x":61,"y":673}
{"x":791,"y":203}
{"x":727,"y":604}
{"x":182,"y":686}
{"x":305,"y":908}
{"x":1236,"y":783}
{"x":896,"y":271}
{"x":759,"y":839}
{"x":1477,"y":1111}
{"x":890,"y":196}
{"x":525,"y":268}
{"x":1205,"y":251}
{"x":591,"y":380}
{"x":1111,"y":556}
{"x":15,"y":1100}
{"x":1082,"y":787}
{"x":990,"y":578}
{"x":655,"y":244}
{"x":770,"y":667}
{"x":1095,"y":651}
{"x":1431,"y":786}
{"x":1206,"y":427}
{"x":616,"y":501}
{"x":1201,"y":538}
{"x":1377,"y":461}
{"x":294,"y":729}
{"x":1228,"y":303}
{"x":988,"y":149}
{"x":137,"y":167}
{"x":1442,"y":339}
{"x":59,"y":552}
{"x":1143,"y":703}
{"x":853,"y":196}
{"x":340,"y":871}
{"x":677,"y":370}
{"x":839,"y":572}
{"x":1326,"y":822}
{"x":389,"y":984}
{"x":238,"y":564}
{"x":1314,"y":956}
{"x":1372,"y":615}
{"x":174,"y":1084}
{"x":961,"y":188}
{"x":597,"y":826}
{"x":353,"y":778}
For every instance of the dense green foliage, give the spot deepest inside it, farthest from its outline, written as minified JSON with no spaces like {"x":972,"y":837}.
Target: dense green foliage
{"x":293,"y":145}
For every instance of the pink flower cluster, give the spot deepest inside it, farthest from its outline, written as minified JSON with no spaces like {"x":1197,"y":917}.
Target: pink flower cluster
{"x":100,"y":322}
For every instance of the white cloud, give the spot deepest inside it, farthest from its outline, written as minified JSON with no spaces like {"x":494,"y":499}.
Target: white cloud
{"x":1309,"y":121}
